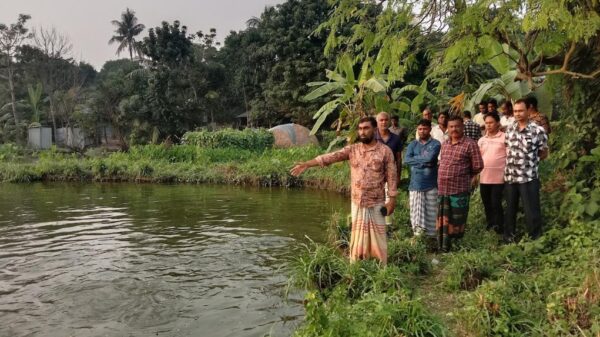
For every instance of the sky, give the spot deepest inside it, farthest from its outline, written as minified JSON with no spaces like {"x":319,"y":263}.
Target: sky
{"x":88,"y":23}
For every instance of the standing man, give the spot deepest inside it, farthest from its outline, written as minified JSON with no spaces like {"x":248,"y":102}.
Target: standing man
{"x":371,"y":166}
{"x":421,"y":156}
{"x":472,"y":129}
{"x":428,"y":115}
{"x":398,"y":130}
{"x":460,"y":164}
{"x":536,"y":116}
{"x":440,"y":131}
{"x":507,"y":117}
{"x":526,"y":144}
{"x":493,"y":152}
{"x":385,"y":136}
{"x":478,"y":118}
{"x":492,"y":107}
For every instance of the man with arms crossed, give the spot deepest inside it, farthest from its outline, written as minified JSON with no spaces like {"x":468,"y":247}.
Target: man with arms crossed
{"x":421,"y":156}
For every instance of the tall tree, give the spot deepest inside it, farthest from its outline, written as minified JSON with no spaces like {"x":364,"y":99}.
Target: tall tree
{"x":268,"y":63}
{"x":127,"y":29}
{"x":11,"y":38}
{"x":170,"y":95}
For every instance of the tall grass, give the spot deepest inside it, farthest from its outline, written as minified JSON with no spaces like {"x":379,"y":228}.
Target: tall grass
{"x":181,"y":163}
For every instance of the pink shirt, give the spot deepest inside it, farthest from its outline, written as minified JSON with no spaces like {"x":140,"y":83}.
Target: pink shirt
{"x":493,"y":152}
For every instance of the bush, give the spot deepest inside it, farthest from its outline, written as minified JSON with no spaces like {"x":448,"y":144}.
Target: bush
{"x":248,"y":139}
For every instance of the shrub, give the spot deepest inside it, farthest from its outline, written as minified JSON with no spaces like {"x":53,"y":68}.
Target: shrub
{"x":248,"y":139}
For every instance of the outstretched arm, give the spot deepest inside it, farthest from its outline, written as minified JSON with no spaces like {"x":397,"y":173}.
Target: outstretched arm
{"x":301,"y":167}
{"x":322,"y":160}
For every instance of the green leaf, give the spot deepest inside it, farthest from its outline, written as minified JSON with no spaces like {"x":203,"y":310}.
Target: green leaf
{"x":327,"y":108}
{"x":591,"y":208}
{"x":323,"y":90}
{"x":377,"y":85}
{"x":332,"y":75}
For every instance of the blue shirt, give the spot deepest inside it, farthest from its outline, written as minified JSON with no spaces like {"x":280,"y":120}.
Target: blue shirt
{"x":394,"y":142}
{"x":422,"y":159}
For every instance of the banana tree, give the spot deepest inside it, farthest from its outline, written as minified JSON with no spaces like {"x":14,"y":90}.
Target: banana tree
{"x":34,"y":97}
{"x":353,"y":97}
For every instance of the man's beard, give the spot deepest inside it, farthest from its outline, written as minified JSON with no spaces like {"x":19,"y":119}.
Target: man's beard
{"x":365,"y":140}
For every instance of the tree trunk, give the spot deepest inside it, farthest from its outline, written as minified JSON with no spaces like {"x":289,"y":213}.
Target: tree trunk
{"x":13,"y":101}
{"x":130,"y":52}
{"x":52,"y":114}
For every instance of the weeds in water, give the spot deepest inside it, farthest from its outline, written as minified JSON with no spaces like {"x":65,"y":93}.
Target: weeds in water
{"x":318,"y":267}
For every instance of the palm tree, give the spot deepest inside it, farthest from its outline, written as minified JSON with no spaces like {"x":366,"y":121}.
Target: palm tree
{"x":127,"y":30}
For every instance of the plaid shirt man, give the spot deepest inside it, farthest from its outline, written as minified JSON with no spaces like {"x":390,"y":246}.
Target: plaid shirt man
{"x":472,"y":130}
{"x":458,"y":164}
{"x":522,"y":152}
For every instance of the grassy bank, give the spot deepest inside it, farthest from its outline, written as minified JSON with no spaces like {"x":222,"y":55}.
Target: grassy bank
{"x":172,"y":164}
{"x":547,"y":287}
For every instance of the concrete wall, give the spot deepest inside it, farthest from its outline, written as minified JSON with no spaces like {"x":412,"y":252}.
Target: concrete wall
{"x":40,"y":138}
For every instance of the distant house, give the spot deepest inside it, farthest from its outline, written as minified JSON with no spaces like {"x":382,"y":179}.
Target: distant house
{"x":241,"y":120}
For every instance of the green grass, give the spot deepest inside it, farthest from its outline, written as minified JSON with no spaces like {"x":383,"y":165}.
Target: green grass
{"x":547,"y":287}
{"x":181,"y":163}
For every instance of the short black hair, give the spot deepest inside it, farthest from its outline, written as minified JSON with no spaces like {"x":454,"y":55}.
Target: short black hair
{"x":523,"y":101}
{"x":494,"y":115}
{"x":425,"y":122}
{"x":467,"y":113}
{"x":444,"y":113}
{"x":483,"y":103}
{"x":455,"y":118}
{"x":493,"y":101}
{"x":533,"y":102}
{"x":369,"y":119}
{"x":395,"y":118}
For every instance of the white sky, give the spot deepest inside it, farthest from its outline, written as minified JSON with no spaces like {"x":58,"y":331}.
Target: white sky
{"x":87,"y":23}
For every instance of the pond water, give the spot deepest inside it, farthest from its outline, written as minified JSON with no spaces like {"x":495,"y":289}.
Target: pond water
{"x":152,"y":260}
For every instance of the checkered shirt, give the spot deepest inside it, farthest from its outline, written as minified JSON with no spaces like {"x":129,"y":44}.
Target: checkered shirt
{"x":458,"y":164}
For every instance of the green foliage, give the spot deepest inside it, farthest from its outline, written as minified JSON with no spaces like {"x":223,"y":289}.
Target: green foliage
{"x":468,"y":270}
{"x":374,"y":314}
{"x":549,"y":286}
{"x":247,"y":139}
{"x":409,"y":254}
{"x":10,"y":152}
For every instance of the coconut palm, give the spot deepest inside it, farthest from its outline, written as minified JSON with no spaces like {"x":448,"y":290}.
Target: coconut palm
{"x":127,"y":29}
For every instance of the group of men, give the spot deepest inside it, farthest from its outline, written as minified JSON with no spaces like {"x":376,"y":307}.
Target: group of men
{"x":447,"y":161}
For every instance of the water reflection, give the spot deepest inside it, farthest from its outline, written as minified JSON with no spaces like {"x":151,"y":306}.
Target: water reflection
{"x":135,"y":260}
